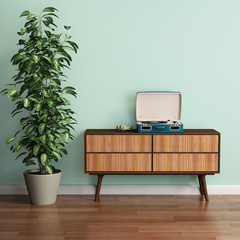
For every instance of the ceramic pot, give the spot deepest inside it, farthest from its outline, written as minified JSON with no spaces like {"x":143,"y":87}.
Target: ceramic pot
{"x":42,"y":189}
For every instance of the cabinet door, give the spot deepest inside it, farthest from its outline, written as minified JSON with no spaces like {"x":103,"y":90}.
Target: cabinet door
{"x":118,"y":143}
{"x":98,"y":162}
{"x":185,"y":143}
{"x":185,"y":162}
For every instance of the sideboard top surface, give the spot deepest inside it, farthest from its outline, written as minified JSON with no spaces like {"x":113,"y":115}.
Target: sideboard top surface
{"x":134,"y":132}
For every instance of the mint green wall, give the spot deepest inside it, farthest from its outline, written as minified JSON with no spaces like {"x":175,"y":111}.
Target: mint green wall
{"x":132,"y":45}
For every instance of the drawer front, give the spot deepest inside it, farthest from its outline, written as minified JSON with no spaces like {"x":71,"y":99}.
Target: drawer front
{"x":185,"y":162}
{"x":118,"y":162}
{"x":185,"y":143}
{"x":118,"y":143}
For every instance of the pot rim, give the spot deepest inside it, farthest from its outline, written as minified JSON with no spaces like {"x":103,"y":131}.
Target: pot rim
{"x":28,"y":172}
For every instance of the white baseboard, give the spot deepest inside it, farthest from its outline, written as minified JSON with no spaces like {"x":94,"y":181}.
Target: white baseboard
{"x":129,"y":189}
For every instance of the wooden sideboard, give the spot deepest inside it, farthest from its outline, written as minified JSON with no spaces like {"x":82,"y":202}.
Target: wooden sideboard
{"x":193,"y":152}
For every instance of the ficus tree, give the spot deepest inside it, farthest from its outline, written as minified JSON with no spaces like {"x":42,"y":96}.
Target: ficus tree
{"x":37,"y":91}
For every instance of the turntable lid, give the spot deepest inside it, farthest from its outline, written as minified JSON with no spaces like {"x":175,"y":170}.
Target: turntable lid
{"x":158,"y":106}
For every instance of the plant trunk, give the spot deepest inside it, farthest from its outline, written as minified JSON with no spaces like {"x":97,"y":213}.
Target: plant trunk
{"x":41,"y":168}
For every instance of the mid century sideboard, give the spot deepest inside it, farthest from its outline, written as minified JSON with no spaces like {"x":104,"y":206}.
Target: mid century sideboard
{"x":193,"y":152}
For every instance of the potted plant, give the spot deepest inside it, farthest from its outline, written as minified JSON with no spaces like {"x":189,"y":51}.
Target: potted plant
{"x":38,"y":95}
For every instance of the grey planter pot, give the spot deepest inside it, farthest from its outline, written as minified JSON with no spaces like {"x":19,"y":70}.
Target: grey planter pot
{"x":42,"y":189}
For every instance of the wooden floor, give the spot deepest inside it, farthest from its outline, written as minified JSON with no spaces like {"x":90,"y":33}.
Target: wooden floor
{"x":122,"y":217}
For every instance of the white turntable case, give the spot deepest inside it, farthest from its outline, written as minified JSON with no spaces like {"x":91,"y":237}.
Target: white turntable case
{"x":158,"y":106}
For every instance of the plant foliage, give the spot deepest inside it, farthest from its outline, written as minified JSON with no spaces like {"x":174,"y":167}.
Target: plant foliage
{"x":37,"y":90}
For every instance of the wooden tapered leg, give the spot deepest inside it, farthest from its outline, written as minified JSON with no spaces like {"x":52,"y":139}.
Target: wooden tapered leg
{"x":200,"y":185}
{"x":204,"y":186}
{"x":99,"y":184}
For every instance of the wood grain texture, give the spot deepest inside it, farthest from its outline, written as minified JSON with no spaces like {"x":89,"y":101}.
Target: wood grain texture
{"x":79,"y":217}
{"x":118,"y":162}
{"x":118,"y":143}
{"x":185,"y":143}
{"x":185,"y":162}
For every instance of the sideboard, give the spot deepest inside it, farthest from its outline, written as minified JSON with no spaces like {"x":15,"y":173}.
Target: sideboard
{"x":193,"y":152}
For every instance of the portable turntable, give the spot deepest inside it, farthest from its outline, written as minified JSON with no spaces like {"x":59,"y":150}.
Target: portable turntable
{"x":159,"y":111}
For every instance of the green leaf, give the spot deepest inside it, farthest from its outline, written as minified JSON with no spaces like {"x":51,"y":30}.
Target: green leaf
{"x":23,"y":89}
{"x":67,"y":136}
{"x":49,"y":19}
{"x":16,"y":113}
{"x":29,"y":162}
{"x":52,"y":146}
{"x":11,"y":92}
{"x":18,"y":107}
{"x":4,"y":91}
{"x":64,"y":53}
{"x":50,"y":14}
{"x":43,"y":117}
{"x":73,"y":44}
{"x":56,"y":154}
{"x":20,"y":33}
{"x":16,"y":59}
{"x":39,"y":44}
{"x":59,"y":136}
{"x":65,"y":121}
{"x":68,"y":48}
{"x":43,"y":159}
{"x":30,"y":22}
{"x":45,"y":93}
{"x":65,"y":101}
{"x":36,"y":58}
{"x":37,"y":106}
{"x":49,"y":9}
{"x":56,"y":63}
{"x":62,"y":59}
{"x":20,"y":155}
{"x":31,"y":16}
{"x":63,"y":150}
{"x":69,"y":88}
{"x":50,"y":103}
{"x":25,"y":13}
{"x":23,"y":121}
{"x":26,"y":102}
{"x":36,"y":149}
{"x":54,"y":84}
{"x":9,"y":140}
{"x":68,"y":36}
{"x":48,"y":33}
{"x":47,"y":58}
{"x":49,"y":169}
{"x":34,"y":100}
{"x":71,"y":92}
{"x":17,"y":133}
{"x":24,"y":59}
{"x":50,"y":136}
{"x":12,"y":85}
{"x":41,"y":128}
{"x":17,"y":148}
{"x":63,"y":116}
{"x":67,"y":27}
{"x":29,"y":129}
{"x":43,"y":138}
{"x":57,"y":81}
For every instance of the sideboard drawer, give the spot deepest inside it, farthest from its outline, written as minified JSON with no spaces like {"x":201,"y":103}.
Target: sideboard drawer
{"x":118,"y":162}
{"x":118,"y":143}
{"x":185,"y":162}
{"x":185,"y":143}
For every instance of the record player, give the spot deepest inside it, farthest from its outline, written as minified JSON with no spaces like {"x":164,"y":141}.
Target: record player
{"x":158,"y":111}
